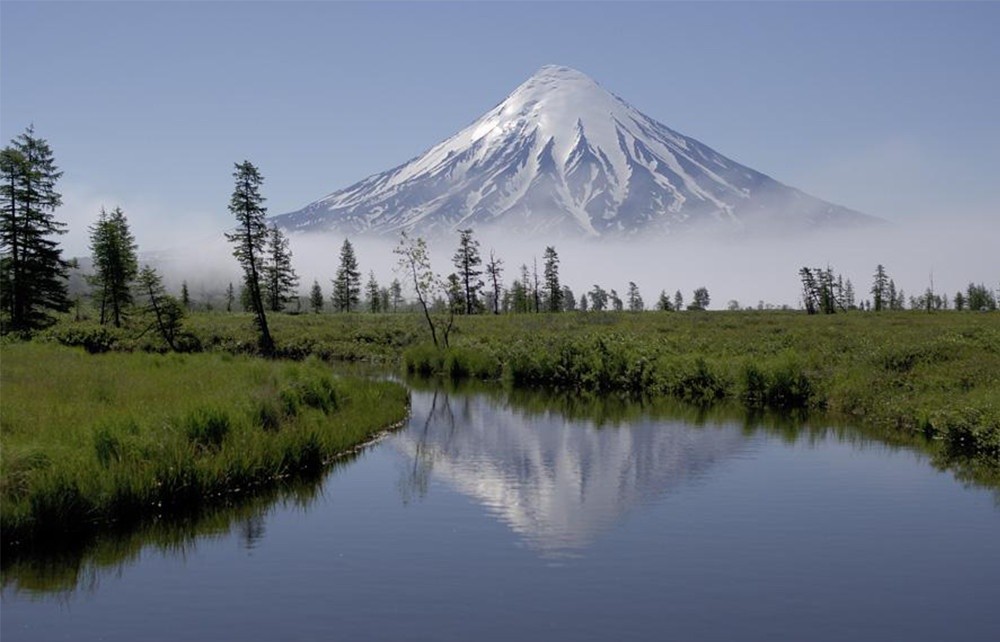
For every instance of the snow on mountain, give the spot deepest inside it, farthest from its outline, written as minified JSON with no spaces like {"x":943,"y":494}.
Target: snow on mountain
{"x":561,"y":155}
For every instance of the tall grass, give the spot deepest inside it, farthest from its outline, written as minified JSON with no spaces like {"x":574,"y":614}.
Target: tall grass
{"x":916,"y":373}
{"x":94,"y":441}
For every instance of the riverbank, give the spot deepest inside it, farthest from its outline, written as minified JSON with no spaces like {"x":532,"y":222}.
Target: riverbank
{"x":934,"y":376}
{"x":96,"y":442}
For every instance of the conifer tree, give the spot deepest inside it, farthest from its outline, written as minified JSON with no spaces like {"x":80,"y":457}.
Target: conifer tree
{"x":583,"y":302}
{"x":598,"y":299}
{"x":678,"y":300}
{"x":280,"y":280}
{"x":316,"y":297}
{"x":372,"y":294}
{"x":635,"y":302}
{"x":33,"y":275}
{"x":568,"y":299}
{"x":347,"y":285}
{"x":663,"y":303}
{"x":249,"y":240}
{"x":185,"y":296}
{"x":395,"y":295}
{"x":553,"y":290}
{"x":616,"y":301}
{"x":880,"y":289}
{"x":113,"y":251}
{"x":230,"y":297}
{"x":467,"y":262}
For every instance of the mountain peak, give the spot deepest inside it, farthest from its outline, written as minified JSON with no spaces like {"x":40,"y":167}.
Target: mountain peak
{"x":561,"y":154}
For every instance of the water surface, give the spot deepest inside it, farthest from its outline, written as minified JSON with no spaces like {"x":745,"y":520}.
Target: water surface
{"x":494,"y":517}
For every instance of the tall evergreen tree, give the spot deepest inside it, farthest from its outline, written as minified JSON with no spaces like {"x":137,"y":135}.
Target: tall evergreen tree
{"x":280,"y":280}
{"x":347,"y":285}
{"x":678,"y":300}
{"x":663,"y":303}
{"x":250,"y":240}
{"x":372,"y":294}
{"x":616,"y":301}
{"x":316,"y":297}
{"x":395,"y":295}
{"x":230,"y":297}
{"x":598,"y":299}
{"x":33,"y":275}
{"x":536,"y":290}
{"x":553,"y":290}
{"x":568,"y":299}
{"x":113,"y":251}
{"x":583,"y":302}
{"x":880,"y":289}
{"x":635,"y":302}
{"x":467,"y":264}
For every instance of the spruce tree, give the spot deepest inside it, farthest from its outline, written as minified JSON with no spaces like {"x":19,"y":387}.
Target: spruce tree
{"x":663,"y":303}
{"x":678,"y":300}
{"x":33,"y":276}
{"x":635,"y":302}
{"x":568,"y":299}
{"x":395,"y":295}
{"x":250,"y":240}
{"x":230,"y":297}
{"x":347,"y":285}
{"x":616,"y":301}
{"x":372,"y":294}
{"x":113,"y":251}
{"x":316,"y":297}
{"x":880,"y":289}
{"x":553,"y":290}
{"x":598,"y":299}
{"x":467,"y":262}
{"x":280,"y":280}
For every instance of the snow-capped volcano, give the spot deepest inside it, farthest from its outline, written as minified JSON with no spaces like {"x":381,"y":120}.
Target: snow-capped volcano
{"x":562,"y":155}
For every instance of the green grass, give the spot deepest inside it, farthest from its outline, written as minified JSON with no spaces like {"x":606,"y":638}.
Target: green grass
{"x":934,"y":375}
{"x":90,"y":442}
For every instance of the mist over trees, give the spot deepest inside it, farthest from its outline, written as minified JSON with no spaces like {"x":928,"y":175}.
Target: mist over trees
{"x":34,"y":277}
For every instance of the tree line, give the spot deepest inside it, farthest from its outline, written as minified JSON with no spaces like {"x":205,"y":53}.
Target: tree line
{"x":34,"y":275}
{"x":825,"y":292}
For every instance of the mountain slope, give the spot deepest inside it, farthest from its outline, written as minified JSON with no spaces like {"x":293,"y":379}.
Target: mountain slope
{"x":561,"y":155}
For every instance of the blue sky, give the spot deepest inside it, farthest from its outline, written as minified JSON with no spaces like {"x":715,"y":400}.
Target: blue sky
{"x":889,"y":108}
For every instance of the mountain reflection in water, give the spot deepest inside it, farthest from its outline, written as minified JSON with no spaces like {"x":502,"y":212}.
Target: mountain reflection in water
{"x":556,"y":481}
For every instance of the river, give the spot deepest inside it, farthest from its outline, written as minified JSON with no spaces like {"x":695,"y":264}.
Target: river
{"x":497,"y":516}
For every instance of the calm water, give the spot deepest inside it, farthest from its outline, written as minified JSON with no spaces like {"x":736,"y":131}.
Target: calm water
{"x":496,"y":518}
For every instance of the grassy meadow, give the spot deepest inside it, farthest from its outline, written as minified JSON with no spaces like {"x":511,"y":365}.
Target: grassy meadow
{"x":107,"y":438}
{"x":91,"y":442}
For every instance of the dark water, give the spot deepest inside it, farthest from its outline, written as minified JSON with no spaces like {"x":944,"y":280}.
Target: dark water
{"x":499,"y":518}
